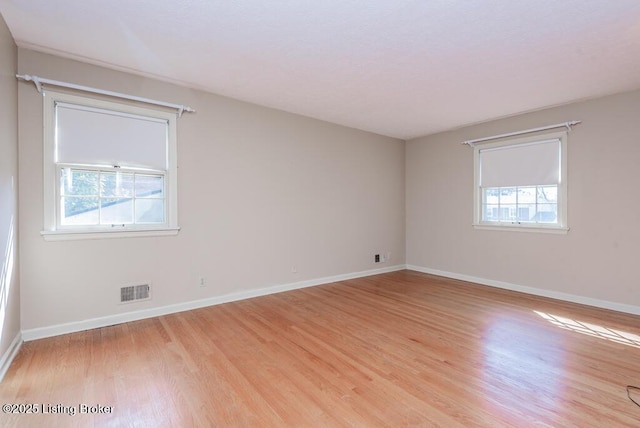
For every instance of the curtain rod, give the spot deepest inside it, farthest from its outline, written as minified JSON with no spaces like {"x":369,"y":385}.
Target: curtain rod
{"x":567,"y":125}
{"x":39,"y":81}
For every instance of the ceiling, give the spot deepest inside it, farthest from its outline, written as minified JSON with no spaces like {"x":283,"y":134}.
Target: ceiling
{"x":397,"y":68}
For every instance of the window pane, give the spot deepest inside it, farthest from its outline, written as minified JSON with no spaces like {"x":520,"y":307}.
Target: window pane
{"x":508,"y":213}
{"x":149,"y":186}
{"x":547,"y":213}
{"x":116,"y":184}
{"x":526,"y":195}
{"x":116,"y":211}
{"x":490,"y":213}
{"x":149,"y":210}
{"x":526,"y":212}
{"x":79,"y":210}
{"x":548,"y":194}
{"x":106,"y":197}
{"x":491,"y":195}
{"x":508,"y":195}
{"x":78,"y":182}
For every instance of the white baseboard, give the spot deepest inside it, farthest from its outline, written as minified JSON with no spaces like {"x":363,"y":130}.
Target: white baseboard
{"x":56,"y":330}
{"x":9,"y":355}
{"x":604,"y":304}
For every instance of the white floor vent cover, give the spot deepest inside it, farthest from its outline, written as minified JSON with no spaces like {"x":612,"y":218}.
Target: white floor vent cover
{"x":135,"y":293}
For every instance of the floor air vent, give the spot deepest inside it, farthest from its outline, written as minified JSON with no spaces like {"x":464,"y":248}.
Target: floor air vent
{"x":133,"y":293}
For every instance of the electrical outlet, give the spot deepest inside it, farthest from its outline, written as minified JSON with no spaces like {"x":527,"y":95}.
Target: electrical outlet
{"x":202,"y":281}
{"x":294,"y":269}
{"x":376,"y":258}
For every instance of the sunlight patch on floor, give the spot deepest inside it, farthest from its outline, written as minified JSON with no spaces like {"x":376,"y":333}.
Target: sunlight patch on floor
{"x":593,"y":330}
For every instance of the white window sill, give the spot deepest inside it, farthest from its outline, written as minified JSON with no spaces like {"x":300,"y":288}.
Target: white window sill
{"x":73,"y":235}
{"x":512,"y":228}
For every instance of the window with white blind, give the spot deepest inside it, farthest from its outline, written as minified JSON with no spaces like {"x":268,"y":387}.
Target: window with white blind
{"x":522,"y":183}
{"x":109,"y":169}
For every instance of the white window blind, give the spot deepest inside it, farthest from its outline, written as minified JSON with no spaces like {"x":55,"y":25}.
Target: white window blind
{"x":88,"y":135}
{"x":530,"y":164}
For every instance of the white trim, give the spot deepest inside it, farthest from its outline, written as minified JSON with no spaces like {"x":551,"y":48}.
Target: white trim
{"x":10,"y":355}
{"x":76,"y":235}
{"x":72,"y":327}
{"x":523,"y":228}
{"x":589,"y":301}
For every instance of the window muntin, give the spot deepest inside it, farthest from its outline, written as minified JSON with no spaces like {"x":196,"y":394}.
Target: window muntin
{"x":108,"y":166}
{"x":97,"y":197}
{"x":521,"y":183}
{"x":530,"y":204}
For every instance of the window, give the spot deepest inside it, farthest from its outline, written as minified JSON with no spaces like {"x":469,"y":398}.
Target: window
{"x":522,"y":183}
{"x":91,"y":197}
{"x":109,"y":169}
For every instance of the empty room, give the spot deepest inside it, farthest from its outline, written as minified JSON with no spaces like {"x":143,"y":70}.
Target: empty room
{"x":319,"y":214}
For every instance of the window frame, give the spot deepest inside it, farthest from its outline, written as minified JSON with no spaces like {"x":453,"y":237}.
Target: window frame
{"x":561,"y":226}
{"x":104,"y":170}
{"x":52,"y":227}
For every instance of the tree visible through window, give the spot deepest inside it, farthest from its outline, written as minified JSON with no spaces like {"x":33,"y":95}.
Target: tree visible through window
{"x":100,"y":197}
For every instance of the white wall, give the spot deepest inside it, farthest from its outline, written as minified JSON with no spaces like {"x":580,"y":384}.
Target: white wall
{"x":596,"y":260}
{"x":9,"y":275}
{"x":260,"y":190}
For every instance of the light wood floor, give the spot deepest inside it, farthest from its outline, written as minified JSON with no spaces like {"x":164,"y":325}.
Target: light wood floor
{"x":399,"y":349}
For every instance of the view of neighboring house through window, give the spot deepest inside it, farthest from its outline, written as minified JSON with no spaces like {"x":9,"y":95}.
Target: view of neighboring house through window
{"x":521,"y":183}
{"x":529,"y":204}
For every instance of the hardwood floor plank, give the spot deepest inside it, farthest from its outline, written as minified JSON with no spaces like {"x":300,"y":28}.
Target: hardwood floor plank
{"x":398,"y":349}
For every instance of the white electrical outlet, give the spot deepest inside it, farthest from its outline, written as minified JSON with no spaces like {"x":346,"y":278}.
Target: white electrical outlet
{"x":294,"y":269}
{"x":202,"y":281}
